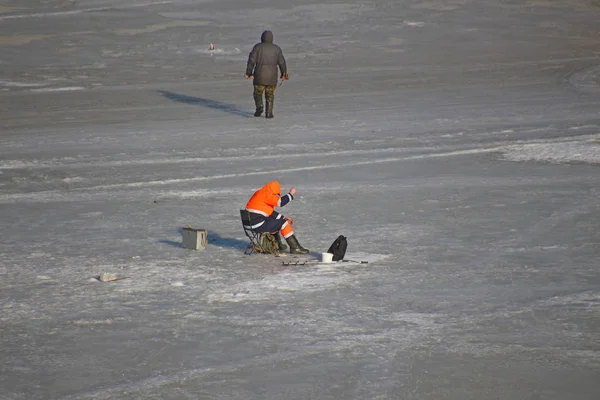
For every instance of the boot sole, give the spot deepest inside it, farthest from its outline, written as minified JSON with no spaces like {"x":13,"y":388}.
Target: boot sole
{"x":299,"y":252}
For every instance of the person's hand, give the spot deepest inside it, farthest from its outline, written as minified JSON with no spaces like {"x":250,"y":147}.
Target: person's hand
{"x":248,"y":76}
{"x":290,"y":220}
{"x":293,"y":191}
{"x":285,"y":77}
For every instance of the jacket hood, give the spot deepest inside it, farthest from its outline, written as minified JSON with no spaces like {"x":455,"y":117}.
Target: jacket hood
{"x":274,"y":187}
{"x":267,"y":36}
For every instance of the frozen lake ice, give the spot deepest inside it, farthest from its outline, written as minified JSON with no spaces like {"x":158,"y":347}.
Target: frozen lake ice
{"x":455,"y":143}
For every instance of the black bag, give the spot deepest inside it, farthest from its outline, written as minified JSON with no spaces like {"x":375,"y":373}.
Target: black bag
{"x":338,"y":248}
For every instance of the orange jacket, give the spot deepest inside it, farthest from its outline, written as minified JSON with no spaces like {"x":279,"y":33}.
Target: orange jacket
{"x":264,"y":200}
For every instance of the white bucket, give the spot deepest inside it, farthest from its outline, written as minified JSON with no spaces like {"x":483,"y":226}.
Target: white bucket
{"x":326,"y":257}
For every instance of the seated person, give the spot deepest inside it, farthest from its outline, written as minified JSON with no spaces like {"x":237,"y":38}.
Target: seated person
{"x":265,"y":219}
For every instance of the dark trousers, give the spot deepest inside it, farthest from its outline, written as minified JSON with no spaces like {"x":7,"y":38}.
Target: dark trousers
{"x":271,"y":224}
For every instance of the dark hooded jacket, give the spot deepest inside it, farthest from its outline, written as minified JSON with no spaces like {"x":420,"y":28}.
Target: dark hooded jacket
{"x":264,"y":59}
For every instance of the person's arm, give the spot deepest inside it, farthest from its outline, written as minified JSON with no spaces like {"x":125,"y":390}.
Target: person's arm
{"x":282,"y":66}
{"x":276,"y":200}
{"x":284,"y":200}
{"x":251,"y":63}
{"x":287,"y":198}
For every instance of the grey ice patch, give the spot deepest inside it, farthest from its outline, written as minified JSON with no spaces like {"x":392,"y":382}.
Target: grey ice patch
{"x":59,"y":89}
{"x":218,"y":51}
{"x":586,"y":80}
{"x":91,"y":322}
{"x":417,"y":24}
{"x":562,"y":152}
{"x":14,"y":84}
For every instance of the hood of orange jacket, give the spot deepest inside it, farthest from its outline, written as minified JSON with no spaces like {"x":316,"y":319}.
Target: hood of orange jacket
{"x":274,"y":187}
{"x":265,"y":199}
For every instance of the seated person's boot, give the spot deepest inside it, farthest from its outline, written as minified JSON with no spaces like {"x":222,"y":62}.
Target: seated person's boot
{"x":282,"y":245}
{"x":295,"y":247}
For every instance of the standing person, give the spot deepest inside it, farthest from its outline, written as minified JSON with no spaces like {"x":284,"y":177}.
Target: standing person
{"x":263,"y":61}
{"x":265,"y":219}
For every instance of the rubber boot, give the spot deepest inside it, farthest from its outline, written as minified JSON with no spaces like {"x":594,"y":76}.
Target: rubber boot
{"x":295,"y":247}
{"x":280,"y":243}
{"x":270,"y":100}
{"x":258,"y":101}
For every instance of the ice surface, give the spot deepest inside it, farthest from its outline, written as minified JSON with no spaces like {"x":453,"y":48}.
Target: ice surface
{"x":455,"y":143}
